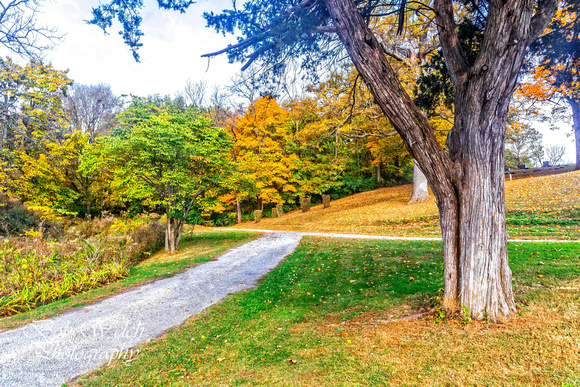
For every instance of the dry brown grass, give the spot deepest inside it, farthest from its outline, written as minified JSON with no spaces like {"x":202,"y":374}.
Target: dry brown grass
{"x":385,"y":211}
{"x":540,"y":347}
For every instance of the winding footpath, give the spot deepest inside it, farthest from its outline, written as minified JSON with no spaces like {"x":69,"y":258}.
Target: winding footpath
{"x":53,"y":351}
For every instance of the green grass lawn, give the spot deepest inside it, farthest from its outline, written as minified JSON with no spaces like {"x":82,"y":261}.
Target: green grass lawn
{"x":197,"y":247}
{"x":322,"y":317}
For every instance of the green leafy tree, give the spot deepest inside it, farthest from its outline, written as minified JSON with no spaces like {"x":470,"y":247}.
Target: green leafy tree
{"x":32,"y":120}
{"x":166,"y":156}
{"x":523,"y":145}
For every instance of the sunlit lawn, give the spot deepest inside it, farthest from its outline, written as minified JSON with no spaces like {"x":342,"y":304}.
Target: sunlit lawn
{"x":322,"y":318}
{"x":537,"y":207}
{"x":196,"y":247}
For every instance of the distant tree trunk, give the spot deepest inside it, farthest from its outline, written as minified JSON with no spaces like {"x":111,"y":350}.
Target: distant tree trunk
{"x":260,"y":204}
{"x":325,"y":201}
{"x":468,"y":182}
{"x":336,"y":143}
{"x":239,"y":210}
{"x":575,"y":105}
{"x":420,"y":190}
{"x":378,"y":173}
{"x":167,"y":231}
{"x":172,"y":235}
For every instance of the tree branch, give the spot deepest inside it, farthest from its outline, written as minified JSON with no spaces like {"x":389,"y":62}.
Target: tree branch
{"x":544,"y":13}
{"x":454,"y":55}
{"x":367,"y":135}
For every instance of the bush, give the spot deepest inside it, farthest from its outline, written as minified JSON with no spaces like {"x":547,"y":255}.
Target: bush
{"x":15,"y":219}
{"x":35,"y":271}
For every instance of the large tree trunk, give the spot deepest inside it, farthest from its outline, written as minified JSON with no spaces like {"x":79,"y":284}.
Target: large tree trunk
{"x":420,"y":189}
{"x":484,"y":276}
{"x":575,"y":105}
{"x":469,"y":182}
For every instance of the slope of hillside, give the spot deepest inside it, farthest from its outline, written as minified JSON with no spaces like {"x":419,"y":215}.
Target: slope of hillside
{"x":537,"y":207}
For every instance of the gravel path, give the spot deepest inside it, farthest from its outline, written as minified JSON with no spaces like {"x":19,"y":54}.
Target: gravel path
{"x":384,"y":237}
{"x":50,"y":352}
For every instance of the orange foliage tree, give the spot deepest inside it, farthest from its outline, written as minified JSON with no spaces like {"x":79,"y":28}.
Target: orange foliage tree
{"x":557,"y":75}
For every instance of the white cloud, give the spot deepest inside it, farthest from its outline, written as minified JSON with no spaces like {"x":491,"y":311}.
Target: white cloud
{"x":172,"y":47}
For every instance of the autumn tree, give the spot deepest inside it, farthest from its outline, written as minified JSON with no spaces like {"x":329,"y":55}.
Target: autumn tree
{"x":31,"y":103}
{"x":468,"y":178}
{"x":261,"y":139}
{"x":167,"y":155}
{"x":52,"y":182}
{"x":31,"y":116}
{"x":523,"y":145}
{"x":319,"y":166}
{"x":557,"y":74}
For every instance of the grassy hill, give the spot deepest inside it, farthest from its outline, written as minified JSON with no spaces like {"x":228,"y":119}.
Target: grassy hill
{"x":540,"y":207}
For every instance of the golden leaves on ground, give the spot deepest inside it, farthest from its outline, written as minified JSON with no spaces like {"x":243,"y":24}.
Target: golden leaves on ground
{"x":385,"y":211}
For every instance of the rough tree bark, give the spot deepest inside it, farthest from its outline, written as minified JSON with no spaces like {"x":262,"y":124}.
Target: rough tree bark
{"x":469,"y":182}
{"x":420,"y":189}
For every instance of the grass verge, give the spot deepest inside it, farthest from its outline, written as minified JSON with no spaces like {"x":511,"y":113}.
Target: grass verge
{"x":197,"y":247}
{"x":322,"y":317}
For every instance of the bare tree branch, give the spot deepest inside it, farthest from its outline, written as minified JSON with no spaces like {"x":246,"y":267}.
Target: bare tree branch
{"x":20,"y":31}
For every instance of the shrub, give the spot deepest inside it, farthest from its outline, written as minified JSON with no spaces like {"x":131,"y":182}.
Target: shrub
{"x":35,"y":271}
{"x":15,"y":219}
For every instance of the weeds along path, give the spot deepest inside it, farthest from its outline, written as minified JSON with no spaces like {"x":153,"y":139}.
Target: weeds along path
{"x":52,"y":351}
